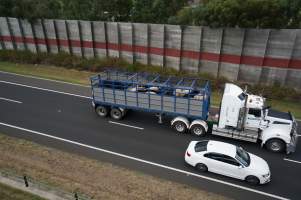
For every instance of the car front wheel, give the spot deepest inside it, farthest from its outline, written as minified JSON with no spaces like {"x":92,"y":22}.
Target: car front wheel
{"x":252,"y":180}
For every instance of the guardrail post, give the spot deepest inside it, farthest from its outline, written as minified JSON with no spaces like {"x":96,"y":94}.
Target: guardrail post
{"x":25,"y":181}
{"x":75,"y":196}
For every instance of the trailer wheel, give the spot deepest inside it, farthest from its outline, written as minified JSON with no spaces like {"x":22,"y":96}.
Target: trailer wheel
{"x":116,"y":113}
{"x":102,"y":111}
{"x":275,"y":145}
{"x":179,"y":126}
{"x":198,"y":130}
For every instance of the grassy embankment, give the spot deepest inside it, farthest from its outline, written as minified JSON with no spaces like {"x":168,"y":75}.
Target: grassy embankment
{"x":82,"y":77}
{"x":95,"y":179}
{"x":9,"y":193}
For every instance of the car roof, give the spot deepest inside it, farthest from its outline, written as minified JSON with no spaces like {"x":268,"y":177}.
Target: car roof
{"x":221,"y":147}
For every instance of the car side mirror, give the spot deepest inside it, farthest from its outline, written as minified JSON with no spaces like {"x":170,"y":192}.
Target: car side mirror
{"x":240,"y":167}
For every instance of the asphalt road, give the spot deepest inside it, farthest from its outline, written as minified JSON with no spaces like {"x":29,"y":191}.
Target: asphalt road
{"x":68,"y":122}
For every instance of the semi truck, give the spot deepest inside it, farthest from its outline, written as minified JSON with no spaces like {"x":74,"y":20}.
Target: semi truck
{"x":186,"y":100}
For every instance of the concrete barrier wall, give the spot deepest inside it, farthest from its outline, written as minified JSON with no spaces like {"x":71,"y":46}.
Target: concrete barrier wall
{"x":253,"y":53}
{"x":210,"y":50}
{"x":50,"y":35}
{"x":40,"y":36}
{"x":156,"y":44}
{"x":126,"y":41}
{"x":28,"y":36}
{"x":6,"y":37}
{"x":191,"y":46}
{"x":62,"y":35}
{"x":87,"y":39}
{"x":16,"y":33}
{"x":141,"y":43}
{"x":113,"y":39}
{"x":173,"y":46}
{"x":231,"y":51}
{"x":293,"y":71}
{"x":100,"y":39}
{"x":250,"y":55}
{"x":74,"y":37}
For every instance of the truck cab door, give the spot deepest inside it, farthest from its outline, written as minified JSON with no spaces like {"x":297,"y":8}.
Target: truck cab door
{"x":253,"y":118}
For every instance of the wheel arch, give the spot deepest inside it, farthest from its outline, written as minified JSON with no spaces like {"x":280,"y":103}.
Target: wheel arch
{"x":182,"y":119}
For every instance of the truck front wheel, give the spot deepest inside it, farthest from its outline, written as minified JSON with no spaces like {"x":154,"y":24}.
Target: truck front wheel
{"x":102,"y":111}
{"x":275,"y":145}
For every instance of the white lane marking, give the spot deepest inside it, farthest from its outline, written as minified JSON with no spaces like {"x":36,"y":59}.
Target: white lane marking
{"x":121,"y":124}
{"x":46,"y":79}
{"x":295,"y":161}
{"x":146,"y":162}
{"x":49,"y":90}
{"x":11,"y":100}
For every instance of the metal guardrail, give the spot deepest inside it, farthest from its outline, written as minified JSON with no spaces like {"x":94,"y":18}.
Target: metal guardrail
{"x":30,"y":182}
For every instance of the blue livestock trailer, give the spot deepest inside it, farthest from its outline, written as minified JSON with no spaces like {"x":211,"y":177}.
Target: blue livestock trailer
{"x":115,"y":92}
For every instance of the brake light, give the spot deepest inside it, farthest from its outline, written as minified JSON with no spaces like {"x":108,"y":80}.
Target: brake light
{"x":188,"y":154}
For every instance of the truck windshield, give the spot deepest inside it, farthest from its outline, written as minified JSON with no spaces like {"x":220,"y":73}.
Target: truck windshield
{"x":242,"y":156}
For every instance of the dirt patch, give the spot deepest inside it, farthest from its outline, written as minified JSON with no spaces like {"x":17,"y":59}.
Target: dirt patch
{"x":95,"y":179}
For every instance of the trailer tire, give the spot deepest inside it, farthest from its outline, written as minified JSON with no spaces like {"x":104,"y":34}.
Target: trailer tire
{"x":179,"y":126}
{"x":116,"y":113}
{"x":275,"y":145}
{"x":102,"y":111}
{"x":198,"y":130}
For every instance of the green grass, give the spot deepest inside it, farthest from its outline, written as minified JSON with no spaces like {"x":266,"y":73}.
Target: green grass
{"x":82,"y":77}
{"x":9,"y":193}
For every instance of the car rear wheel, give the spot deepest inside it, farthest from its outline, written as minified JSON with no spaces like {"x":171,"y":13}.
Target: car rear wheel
{"x":275,"y":145}
{"x":252,"y":180}
{"x":116,"y":113}
{"x":102,"y":111}
{"x":201,"y":167}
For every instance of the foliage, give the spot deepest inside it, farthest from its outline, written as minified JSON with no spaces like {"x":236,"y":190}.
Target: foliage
{"x":156,"y":11}
{"x":243,"y":13}
{"x":214,"y":13}
{"x":115,"y":10}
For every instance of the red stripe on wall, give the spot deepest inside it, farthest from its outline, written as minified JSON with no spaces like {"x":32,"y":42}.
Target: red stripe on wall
{"x":230,"y":58}
{"x":113,"y":46}
{"x":191,"y":54}
{"x":140,"y":49}
{"x":252,"y":60}
{"x":156,"y":50}
{"x":87,"y":44}
{"x":276,"y":62}
{"x":64,"y":42}
{"x":215,"y":57}
{"x":100,"y":45}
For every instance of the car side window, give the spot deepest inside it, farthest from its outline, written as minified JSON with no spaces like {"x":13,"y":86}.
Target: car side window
{"x":214,"y":156}
{"x":222,"y":158}
{"x":230,"y":160}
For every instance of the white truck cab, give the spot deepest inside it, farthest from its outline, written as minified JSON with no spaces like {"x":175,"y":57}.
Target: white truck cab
{"x":245,"y":116}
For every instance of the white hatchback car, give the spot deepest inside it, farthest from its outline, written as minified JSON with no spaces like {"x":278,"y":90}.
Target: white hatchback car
{"x":229,"y":160}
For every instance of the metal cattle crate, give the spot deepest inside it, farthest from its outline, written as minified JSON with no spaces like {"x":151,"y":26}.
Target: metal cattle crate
{"x":168,"y":95}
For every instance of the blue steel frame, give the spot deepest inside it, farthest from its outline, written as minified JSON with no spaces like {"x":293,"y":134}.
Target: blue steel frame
{"x":132,"y":79}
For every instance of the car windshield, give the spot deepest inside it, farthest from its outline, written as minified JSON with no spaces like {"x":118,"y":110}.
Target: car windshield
{"x":242,"y":156}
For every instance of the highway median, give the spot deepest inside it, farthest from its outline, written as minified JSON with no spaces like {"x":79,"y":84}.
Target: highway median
{"x":100,"y":180}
